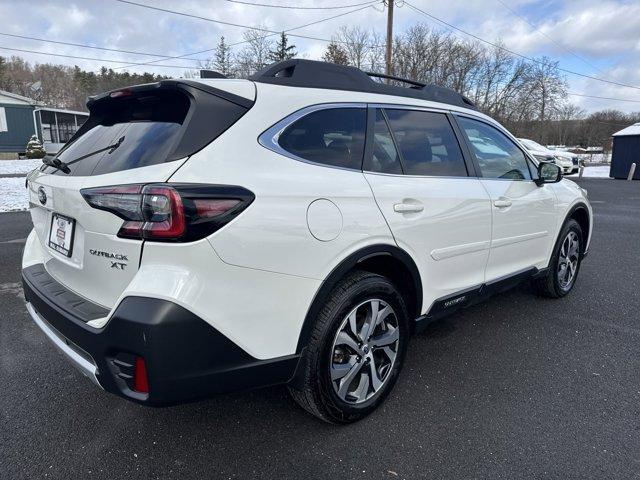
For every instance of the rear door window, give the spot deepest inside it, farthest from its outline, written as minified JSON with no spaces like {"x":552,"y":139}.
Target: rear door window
{"x":428,"y":146}
{"x":384,"y":158}
{"x":332,"y":137}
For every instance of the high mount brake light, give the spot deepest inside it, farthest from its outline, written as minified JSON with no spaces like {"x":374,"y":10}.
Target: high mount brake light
{"x":170,"y":212}
{"x":121,"y":93}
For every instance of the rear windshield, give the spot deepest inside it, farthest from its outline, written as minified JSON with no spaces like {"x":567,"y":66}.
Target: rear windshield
{"x":147,"y":128}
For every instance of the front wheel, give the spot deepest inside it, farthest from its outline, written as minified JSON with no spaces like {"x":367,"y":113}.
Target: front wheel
{"x":356,"y":350}
{"x":565,"y":263}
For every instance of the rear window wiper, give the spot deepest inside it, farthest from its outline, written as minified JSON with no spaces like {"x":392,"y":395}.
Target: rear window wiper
{"x":64,"y":166}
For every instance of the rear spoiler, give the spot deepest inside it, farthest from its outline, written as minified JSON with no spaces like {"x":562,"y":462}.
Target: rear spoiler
{"x":201,"y":125}
{"x":169,"y":84}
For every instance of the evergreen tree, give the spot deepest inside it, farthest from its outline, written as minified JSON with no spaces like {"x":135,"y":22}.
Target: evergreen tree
{"x":222,"y":58}
{"x":335,"y":54}
{"x":283,"y":51}
{"x":35,"y":148}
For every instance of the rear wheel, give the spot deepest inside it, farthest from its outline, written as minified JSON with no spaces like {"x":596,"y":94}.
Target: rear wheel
{"x":565,"y":263}
{"x":356,"y":350}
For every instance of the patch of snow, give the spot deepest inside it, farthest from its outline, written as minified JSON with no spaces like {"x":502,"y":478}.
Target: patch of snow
{"x":595,"y":157}
{"x":13,"y":195}
{"x":8,"y":167}
{"x":596,"y":172}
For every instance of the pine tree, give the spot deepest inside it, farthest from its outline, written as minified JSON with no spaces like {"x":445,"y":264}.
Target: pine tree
{"x":35,"y":148}
{"x":335,"y":54}
{"x":222,"y":58}
{"x":283,"y":50}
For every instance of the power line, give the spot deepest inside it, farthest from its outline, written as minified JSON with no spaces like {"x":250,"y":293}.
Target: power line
{"x":530,"y":59}
{"x":232,"y":24}
{"x":336,"y":7}
{"x":59,"y":42}
{"x":580,"y":57}
{"x":602,"y":98}
{"x":79,"y":57}
{"x":269,"y":35}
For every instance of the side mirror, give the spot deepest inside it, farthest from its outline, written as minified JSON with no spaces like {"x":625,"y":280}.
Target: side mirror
{"x":548,"y":173}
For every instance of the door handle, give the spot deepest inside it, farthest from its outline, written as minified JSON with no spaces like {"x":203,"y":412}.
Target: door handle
{"x":502,"y":202}
{"x":408,"y":208}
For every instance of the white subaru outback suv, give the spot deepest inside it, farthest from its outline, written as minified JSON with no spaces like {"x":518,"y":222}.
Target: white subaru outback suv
{"x":197,"y":237}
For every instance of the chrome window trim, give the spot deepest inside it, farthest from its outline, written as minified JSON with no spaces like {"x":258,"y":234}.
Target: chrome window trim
{"x":269,"y":139}
{"x":449,"y":177}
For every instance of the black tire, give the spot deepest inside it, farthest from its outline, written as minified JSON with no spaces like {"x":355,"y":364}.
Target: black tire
{"x":550,"y":285}
{"x":314,"y":390}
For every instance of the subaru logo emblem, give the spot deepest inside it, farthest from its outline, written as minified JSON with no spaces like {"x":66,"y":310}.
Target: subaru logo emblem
{"x":42,"y":195}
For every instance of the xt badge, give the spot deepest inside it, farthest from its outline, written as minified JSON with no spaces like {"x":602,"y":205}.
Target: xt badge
{"x":118,"y":261}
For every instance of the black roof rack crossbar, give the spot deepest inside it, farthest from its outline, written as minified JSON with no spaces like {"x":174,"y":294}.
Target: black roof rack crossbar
{"x":314,"y":74}
{"x":398,"y":79}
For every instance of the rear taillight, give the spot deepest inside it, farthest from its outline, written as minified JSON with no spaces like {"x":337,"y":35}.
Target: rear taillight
{"x":170,"y":212}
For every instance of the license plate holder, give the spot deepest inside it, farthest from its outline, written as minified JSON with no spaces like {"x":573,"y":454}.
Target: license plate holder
{"x":61,"y":234}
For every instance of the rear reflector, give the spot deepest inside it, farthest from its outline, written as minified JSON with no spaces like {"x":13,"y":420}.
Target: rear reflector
{"x":140,"y":380}
{"x":170,"y":212}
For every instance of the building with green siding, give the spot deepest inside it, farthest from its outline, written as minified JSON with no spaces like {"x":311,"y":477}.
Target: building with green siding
{"x":21,"y":117}
{"x":16,"y":123}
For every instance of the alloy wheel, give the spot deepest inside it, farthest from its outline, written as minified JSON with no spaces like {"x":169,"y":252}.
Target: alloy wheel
{"x":364,"y":351}
{"x":568,"y":260}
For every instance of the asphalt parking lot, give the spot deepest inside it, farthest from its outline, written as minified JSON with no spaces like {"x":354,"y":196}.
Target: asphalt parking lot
{"x":519,"y":387}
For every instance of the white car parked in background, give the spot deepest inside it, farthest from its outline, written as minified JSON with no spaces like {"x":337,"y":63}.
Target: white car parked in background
{"x":203,"y":236}
{"x":568,"y":161}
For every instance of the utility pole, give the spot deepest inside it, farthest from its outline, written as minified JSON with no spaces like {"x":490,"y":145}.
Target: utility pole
{"x":389,"y":4}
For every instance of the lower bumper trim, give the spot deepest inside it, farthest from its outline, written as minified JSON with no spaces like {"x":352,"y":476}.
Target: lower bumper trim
{"x":85,"y":366}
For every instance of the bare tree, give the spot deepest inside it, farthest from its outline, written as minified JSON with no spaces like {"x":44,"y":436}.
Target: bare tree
{"x":255,"y":54}
{"x":356,"y":43}
{"x":376,"y":55}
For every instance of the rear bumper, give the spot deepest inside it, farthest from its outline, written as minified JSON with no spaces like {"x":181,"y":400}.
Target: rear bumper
{"x":185,"y":357}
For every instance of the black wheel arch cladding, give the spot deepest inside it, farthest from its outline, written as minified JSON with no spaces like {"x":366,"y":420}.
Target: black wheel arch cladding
{"x":580,"y":213}
{"x":370,"y":258}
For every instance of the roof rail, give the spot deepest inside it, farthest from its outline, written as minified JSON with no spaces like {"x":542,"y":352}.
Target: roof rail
{"x":397,"y":79}
{"x":314,"y":74}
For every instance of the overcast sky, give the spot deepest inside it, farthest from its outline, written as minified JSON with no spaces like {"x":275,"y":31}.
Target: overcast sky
{"x":597,"y":38}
